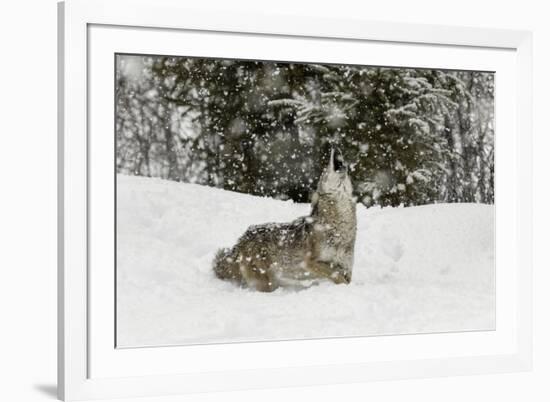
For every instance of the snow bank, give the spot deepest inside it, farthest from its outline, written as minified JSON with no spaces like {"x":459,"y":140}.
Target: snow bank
{"x":420,"y":269}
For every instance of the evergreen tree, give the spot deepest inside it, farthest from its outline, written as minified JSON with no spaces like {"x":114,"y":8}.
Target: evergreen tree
{"x":412,"y":136}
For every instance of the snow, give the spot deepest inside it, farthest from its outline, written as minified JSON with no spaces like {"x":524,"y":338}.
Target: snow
{"x":417,"y":270}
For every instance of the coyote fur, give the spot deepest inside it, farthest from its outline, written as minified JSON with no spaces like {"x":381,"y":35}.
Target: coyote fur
{"x":305,"y":251}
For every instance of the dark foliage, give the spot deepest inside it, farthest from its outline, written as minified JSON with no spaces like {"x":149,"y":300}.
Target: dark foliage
{"x":411,"y":136}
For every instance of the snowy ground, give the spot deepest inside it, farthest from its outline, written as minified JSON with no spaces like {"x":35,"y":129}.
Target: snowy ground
{"x":421,"y":269}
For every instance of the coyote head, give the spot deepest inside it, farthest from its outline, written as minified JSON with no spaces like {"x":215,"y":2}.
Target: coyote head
{"x":335,"y":179}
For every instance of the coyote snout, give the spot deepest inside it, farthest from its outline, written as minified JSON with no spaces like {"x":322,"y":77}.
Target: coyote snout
{"x":299,"y":253}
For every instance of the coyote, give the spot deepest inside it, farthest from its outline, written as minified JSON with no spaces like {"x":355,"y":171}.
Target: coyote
{"x":300,"y":253}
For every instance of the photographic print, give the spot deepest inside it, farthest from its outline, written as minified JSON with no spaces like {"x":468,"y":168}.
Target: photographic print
{"x":272,"y":200}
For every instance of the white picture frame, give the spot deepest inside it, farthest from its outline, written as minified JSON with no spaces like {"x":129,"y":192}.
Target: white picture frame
{"x":89,"y":366}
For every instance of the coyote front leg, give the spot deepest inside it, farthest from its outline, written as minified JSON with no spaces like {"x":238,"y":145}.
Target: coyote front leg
{"x":333,"y":271}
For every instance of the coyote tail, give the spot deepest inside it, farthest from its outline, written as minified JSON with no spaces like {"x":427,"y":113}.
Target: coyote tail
{"x":225,"y":267}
